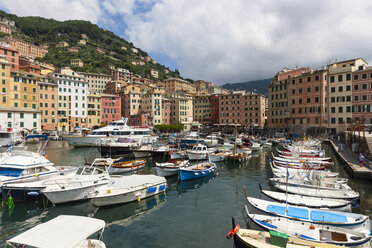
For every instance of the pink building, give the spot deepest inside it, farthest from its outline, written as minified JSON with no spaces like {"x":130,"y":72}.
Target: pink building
{"x":167,"y":111}
{"x":131,"y":103}
{"x":110,"y":108}
{"x":122,"y":75}
{"x":362,"y":95}
{"x":114,"y":86}
{"x":141,"y":119}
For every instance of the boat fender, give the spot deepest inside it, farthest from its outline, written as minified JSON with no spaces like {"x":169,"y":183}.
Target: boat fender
{"x":232,"y":232}
{"x":312,"y":227}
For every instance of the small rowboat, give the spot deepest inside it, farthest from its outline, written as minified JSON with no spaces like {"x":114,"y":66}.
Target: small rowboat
{"x":127,"y":166}
{"x":310,"y":231}
{"x":351,"y":221}
{"x":170,"y":168}
{"x":197,"y":171}
{"x":308,"y":201}
{"x":244,"y":238}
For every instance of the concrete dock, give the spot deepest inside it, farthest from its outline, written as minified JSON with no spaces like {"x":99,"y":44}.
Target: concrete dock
{"x":352,"y":162}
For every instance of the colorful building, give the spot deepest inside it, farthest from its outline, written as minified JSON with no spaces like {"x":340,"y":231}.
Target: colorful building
{"x":167,"y":111}
{"x":201,"y":88}
{"x":340,"y":92}
{"x":182,"y":107}
{"x":176,"y":84}
{"x":5,"y":82}
{"x":202,"y":109}
{"x":23,"y":119}
{"x":152,"y":105}
{"x":122,"y":75}
{"x":114,"y":86}
{"x":29,"y":65}
{"x":72,"y":99}
{"x":94,"y":110}
{"x":362,"y":95}
{"x":48,"y":102}
{"x":110,"y":108}
{"x":11,"y":55}
{"x":244,"y":108}
{"x":97,"y":81}
{"x":214,"y":100}
{"x":308,"y":100}
{"x":26,"y":49}
{"x":23,"y":90}
{"x":131,"y":101}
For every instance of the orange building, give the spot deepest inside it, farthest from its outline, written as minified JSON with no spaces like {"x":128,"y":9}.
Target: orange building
{"x":176,"y":84}
{"x":12,"y":56}
{"x":48,"y":97}
{"x":26,"y":49}
{"x":308,"y":99}
{"x":29,"y":65}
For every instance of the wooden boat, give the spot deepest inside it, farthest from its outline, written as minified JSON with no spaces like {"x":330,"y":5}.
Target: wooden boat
{"x":327,"y":193}
{"x":310,"y":231}
{"x":170,"y":168}
{"x":61,"y":232}
{"x":308,"y":201}
{"x":123,"y":189}
{"x":298,"y":165}
{"x":301,"y":160}
{"x":244,"y":238}
{"x":305,"y":158}
{"x":197,"y":171}
{"x":126,"y":166}
{"x":351,"y":221}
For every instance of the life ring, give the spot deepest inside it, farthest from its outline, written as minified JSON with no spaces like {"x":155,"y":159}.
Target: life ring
{"x":170,"y":152}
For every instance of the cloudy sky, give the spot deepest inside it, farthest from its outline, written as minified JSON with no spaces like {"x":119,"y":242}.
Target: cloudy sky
{"x":225,"y":41}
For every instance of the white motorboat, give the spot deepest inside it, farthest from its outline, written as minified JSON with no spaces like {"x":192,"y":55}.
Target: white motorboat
{"x":116,"y":129}
{"x":117,"y":147}
{"x":170,"y":168}
{"x":143,"y":151}
{"x":316,"y":182}
{"x":86,"y":180}
{"x":199,"y":152}
{"x":211,"y":140}
{"x":308,"y":201}
{"x":64,"y":231}
{"x":10,"y":136}
{"x":178,"y":154}
{"x":244,"y":149}
{"x":256,"y":146}
{"x":127,"y":189}
{"x":310,"y":231}
{"x":219,"y":156}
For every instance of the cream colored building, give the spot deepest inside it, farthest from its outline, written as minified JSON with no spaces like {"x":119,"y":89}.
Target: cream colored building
{"x":94,"y":110}
{"x":77,"y":62}
{"x":340,"y":91}
{"x":182,"y":111}
{"x":177,"y":84}
{"x":154,"y":73}
{"x":202,"y":109}
{"x":152,"y":103}
{"x":201,"y":88}
{"x":96,"y":81}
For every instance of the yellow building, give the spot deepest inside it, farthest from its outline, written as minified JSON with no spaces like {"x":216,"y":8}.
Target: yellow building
{"x":23,"y":90}
{"x":182,"y":112}
{"x":176,"y":84}
{"x":5,"y":82}
{"x":94,"y":110}
{"x":152,"y":103}
{"x":45,"y":69}
{"x":202,"y":109}
{"x":201,"y":88}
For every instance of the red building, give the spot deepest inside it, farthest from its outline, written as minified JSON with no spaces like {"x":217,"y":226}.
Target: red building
{"x":215,"y":108}
{"x":28,"y":65}
{"x":362,"y":95}
{"x":122,"y":75}
{"x":12,"y":56}
{"x":110,"y":108}
{"x":167,"y":111}
{"x":141,"y":119}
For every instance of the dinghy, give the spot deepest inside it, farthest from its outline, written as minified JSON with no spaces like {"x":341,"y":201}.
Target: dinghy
{"x":351,"y":221}
{"x":244,"y":238}
{"x":170,"y":168}
{"x":315,"y":192}
{"x":326,"y":183}
{"x":308,"y":201}
{"x":125,"y":166}
{"x":197,"y":171}
{"x":309,"y":231}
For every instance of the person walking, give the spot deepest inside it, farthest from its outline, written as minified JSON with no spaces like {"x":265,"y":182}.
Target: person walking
{"x":361,"y":160}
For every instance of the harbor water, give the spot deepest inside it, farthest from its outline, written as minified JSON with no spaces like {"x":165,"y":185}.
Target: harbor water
{"x":194,"y":213}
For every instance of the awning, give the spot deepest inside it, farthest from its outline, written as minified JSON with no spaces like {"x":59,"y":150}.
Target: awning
{"x":64,"y":231}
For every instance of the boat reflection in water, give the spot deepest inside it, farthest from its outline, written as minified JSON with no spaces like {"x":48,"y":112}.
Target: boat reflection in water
{"x":126,"y":214}
{"x":185,"y":186}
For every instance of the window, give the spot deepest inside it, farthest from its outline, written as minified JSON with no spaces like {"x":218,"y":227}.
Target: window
{"x":9,"y":115}
{"x":333,"y":120}
{"x":300,"y":91}
{"x":308,"y":79}
{"x":340,"y":78}
{"x":348,"y":88}
{"x":348,"y":77}
{"x":356,"y":87}
{"x":333,"y":89}
{"x":333,"y":99}
{"x":35,"y":116}
{"x":332,"y":78}
{"x":364,"y":86}
{"x":340,"y":89}
{"x":21,"y":124}
{"x":356,"y":77}
{"x":308,"y":100}
{"x":356,"y":98}
{"x":340,"y":109}
{"x":348,"y":109}
{"x":21,"y":115}
{"x":364,"y":75}
{"x":333,"y":110}
{"x":316,"y":88}
{"x":364,"y":97}
{"x":316,"y":99}
{"x":35,"y":124}
{"x":308,"y":89}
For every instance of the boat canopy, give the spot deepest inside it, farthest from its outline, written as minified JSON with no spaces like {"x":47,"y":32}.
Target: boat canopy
{"x":64,"y":231}
{"x":37,"y":136}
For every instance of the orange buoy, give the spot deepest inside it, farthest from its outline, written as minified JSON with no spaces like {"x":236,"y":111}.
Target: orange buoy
{"x":232,"y":232}
{"x":312,"y":227}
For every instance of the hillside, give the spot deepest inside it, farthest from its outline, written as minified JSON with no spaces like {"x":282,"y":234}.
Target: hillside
{"x":259,"y":86}
{"x":117,"y":51}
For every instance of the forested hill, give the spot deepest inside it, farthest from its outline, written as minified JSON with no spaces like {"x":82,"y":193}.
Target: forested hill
{"x":117,"y":51}
{"x":259,"y":86}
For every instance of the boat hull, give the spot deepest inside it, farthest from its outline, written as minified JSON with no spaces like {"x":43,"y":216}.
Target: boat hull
{"x":165,"y":172}
{"x":112,"y":197}
{"x":21,"y":194}
{"x":141,"y":154}
{"x":194,"y":156}
{"x":189,"y":174}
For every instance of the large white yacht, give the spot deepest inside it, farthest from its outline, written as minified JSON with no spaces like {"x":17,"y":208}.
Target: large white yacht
{"x":9,"y":137}
{"x":116,"y":129}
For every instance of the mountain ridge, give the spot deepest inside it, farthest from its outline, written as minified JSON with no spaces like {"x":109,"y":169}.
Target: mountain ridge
{"x":260,"y":86}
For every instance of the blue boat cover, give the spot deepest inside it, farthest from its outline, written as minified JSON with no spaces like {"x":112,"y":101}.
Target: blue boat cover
{"x":328,"y":217}
{"x":161,"y":187}
{"x":276,"y":209}
{"x":299,"y":213}
{"x":151,"y":190}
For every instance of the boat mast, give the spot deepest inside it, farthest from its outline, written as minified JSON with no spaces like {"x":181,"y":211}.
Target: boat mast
{"x":197,"y":147}
{"x":236,"y":136}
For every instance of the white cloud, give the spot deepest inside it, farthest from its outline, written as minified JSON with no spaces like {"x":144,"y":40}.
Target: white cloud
{"x":231,"y":41}
{"x":227,"y":41}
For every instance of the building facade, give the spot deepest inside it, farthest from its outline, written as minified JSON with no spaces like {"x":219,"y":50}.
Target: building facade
{"x":362,"y":95}
{"x":48,"y":103}
{"x":176,"y":84}
{"x":23,"y":119}
{"x":182,"y":107}
{"x":202,"y":109}
{"x":122,"y":75}
{"x":72,"y":99}
{"x":96,"y":81}
{"x":308,"y":100}
{"x":110,"y":107}
{"x":340,"y":92}
{"x":94,"y":110}
{"x":11,"y":55}
{"x":215,"y":108}
{"x":26,"y":49}
{"x":244,"y":108}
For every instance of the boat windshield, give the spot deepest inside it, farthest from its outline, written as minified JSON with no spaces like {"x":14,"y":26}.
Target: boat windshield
{"x":4,"y":135}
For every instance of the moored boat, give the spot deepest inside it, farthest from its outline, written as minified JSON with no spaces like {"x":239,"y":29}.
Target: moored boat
{"x":170,"y":167}
{"x":125,"y":166}
{"x":197,"y":171}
